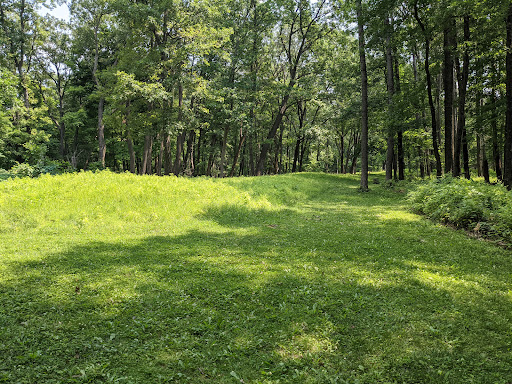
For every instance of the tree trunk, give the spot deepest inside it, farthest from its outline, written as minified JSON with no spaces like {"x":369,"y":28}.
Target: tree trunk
{"x":20,"y":56}
{"x":160,"y":159}
{"x":147,"y":156}
{"x":342,"y":152}
{"x":435,"y":145}
{"x":507,"y":162}
{"x":223,"y":150}
{"x":101,"y":133}
{"x":485,"y":163}
{"x":265,"y":147}
{"x":167,"y":155}
{"x":252,"y":166}
{"x":189,"y":156}
{"x":448,"y":47}
{"x":390,"y":149}
{"x":461,"y":137}
{"x":131,"y":151}
{"x":101,"y":126}
{"x":296,"y":155}
{"x":180,"y":139}
{"x":62,"y":131}
{"x":479,"y":140}
{"x":303,"y":149}
{"x":495,"y":147}
{"x":400,"y":136}
{"x":400,"y":155}
{"x":237,"y":153}
{"x":364,"y":101}
{"x":199,"y":152}
{"x":211,"y":158}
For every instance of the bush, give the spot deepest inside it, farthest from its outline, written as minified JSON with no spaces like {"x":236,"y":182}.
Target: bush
{"x":483,"y":208}
{"x":23,"y":170}
{"x":4,"y":175}
{"x":52,"y":167}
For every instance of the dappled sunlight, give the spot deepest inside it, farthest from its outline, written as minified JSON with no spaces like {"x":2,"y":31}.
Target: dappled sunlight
{"x":448,"y":282}
{"x":400,"y":216}
{"x":260,"y":290}
{"x":305,"y":345}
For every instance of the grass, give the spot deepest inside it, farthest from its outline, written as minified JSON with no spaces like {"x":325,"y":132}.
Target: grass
{"x":280,"y":279}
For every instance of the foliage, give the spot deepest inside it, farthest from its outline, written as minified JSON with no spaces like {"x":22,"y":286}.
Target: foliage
{"x":482,"y":208}
{"x":298,"y":278}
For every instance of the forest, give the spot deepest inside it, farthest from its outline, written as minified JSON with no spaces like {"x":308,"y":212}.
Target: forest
{"x":252,"y":87}
{"x":108,"y":275}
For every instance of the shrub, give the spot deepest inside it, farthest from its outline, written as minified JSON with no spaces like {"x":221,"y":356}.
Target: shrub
{"x":23,"y":170}
{"x":483,"y":208}
{"x":4,"y":175}
{"x":54,"y":167}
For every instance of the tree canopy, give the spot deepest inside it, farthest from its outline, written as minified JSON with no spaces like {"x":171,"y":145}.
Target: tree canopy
{"x":252,"y":87}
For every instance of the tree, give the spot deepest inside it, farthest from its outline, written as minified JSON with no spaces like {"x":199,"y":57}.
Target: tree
{"x":364,"y":99}
{"x":507,"y":163}
{"x":300,"y":28}
{"x":427,"y":39}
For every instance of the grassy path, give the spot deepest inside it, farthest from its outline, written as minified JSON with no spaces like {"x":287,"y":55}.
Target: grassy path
{"x":284,"y":279}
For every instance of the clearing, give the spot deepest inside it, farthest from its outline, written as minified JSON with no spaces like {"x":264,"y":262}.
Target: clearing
{"x":277,"y":279}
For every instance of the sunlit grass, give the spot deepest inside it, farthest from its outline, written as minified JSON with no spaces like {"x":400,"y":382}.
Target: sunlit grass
{"x":280,"y":279}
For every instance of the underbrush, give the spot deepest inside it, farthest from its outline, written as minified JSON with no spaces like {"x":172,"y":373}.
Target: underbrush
{"x":481,"y":208}
{"x":54,"y":167}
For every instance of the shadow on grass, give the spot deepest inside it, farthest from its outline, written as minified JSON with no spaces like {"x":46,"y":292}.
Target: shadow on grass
{"x":197,"y":309}
{"x":316,"y":295}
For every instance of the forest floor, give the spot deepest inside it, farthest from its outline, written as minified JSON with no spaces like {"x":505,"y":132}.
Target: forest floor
{"x":278,"y":279}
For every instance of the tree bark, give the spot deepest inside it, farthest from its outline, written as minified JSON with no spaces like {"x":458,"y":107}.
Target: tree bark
{"x":101,"y":126}
{"x":296,"y":155}
{"x":237,"y":153}
{"x":147,"y":156}
{"x":189,"y":154}
{"x":507,"y":162}
{"x":160,"y":159}
{"x":439,"y":171}
{"x":448,"y":48}
{"x":485,"y":163}
{"x":495,"y":147}
{"x":223,"y":150}
{"x":400,"y":136}
{"x":131,"y":151}
{"x":167,"y":155}
{"x":461,"y":136}
{"x":364,"y":101}
{"x":212,"y":156}
{"x":390,"y":149}
{"x":180,"y":139}
{"x":101,"y":133}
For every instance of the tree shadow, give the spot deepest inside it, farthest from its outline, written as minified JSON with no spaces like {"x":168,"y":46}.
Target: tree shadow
{"x":269,"y":299}
{"x":321,"y":292}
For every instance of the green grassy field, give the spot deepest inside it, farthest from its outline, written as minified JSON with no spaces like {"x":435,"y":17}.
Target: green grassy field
{"x":108,"y":278}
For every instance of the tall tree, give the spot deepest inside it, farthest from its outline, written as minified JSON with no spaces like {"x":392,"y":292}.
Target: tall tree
{"x":507,"y":162}
{"x":299,"y":30}
{"x":364,"y":98}
{"x":461,"y":135}
{"x":390,"y":150}
{"x":449,"y":33}
{"x":427,"y":38}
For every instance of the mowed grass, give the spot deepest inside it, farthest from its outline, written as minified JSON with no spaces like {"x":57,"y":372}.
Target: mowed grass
{"x":109,"y":278}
